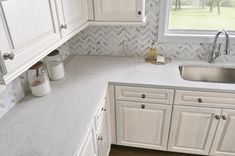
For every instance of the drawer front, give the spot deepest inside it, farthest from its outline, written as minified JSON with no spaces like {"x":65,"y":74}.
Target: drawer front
{"x":149,"y":95}
{"x":197,"y":98}
{"x":100,"y":113}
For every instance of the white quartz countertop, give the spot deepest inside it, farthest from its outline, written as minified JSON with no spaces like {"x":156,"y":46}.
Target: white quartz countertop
{"x":55,"y":125}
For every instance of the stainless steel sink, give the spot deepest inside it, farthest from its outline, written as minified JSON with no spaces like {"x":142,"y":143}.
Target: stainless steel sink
{"x":207,"y":74}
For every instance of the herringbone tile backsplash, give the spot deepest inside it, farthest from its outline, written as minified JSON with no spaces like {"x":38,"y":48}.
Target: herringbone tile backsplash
{"x":133,"y":40}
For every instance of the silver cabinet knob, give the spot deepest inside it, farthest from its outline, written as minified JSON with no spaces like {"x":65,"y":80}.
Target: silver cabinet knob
{"x":8,"y":56}
{"x":224,"y":117}
{"x":103,"y":109}
{"x":100,"y":138}
{"x":63,"y":26}
{"x":143,"y":106}
{"x":217,"y":117}
{"x":199,"y":100}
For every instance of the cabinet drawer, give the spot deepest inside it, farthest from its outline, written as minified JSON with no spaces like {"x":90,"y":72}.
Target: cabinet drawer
{"x":100,"y":113}
{"x":197,"y":98}
{"x":139,"y":94}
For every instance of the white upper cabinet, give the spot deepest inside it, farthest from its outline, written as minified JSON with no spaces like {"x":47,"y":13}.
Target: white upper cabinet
{"x":193,"y":129}
{"x":27,"y":28}
{"x":72,"y":15}
{"x":142,"y":125}
{"x":90,"y":10}
{"x":119,"y":10}
{"x":224,"y":142}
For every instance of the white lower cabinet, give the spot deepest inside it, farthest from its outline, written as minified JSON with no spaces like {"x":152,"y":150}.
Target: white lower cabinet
{"x":224,"y":142}
{"x":198,"y":129}
{"x":97,"y":141}
{"x":103,"y":138}
{"x":201,"y":123}
{"x":193,"y":129}
{"x":89,"y":146}
{"x":142,"y":125}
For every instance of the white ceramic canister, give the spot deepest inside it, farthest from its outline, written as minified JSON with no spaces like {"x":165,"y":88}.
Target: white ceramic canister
{"x":55,"y":66}
{"x":38,"y":80}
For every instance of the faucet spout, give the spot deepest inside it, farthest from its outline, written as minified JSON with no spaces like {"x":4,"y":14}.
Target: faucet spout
{"x":213,"y":54}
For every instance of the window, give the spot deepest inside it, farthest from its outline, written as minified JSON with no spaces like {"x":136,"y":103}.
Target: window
{"x":197,"y":20}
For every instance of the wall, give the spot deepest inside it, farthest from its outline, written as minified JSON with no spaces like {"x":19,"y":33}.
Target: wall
{"x":135,"y":40}
{"x":117,"y":41}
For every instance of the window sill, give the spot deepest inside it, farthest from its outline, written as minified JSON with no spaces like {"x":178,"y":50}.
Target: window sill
{"x":190,"y":38}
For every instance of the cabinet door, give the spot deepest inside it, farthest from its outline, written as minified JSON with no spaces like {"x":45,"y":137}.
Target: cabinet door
{"x":224,"y":142}
{"x":119,"y":10}
{"x":103,"y":138}
{"x":143,"y":125}
{"x":4,"y":46}
{"x":89,"y":146}
{"x":90,"y":10}
{"x":193,"y":129}
{"x":72,"y":14}
{"x":30,"y":27}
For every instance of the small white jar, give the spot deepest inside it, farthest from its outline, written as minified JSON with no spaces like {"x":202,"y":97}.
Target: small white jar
{"x":55,"y":66}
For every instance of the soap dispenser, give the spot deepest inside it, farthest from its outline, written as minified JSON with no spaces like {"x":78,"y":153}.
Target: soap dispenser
{"x":152,"y":54}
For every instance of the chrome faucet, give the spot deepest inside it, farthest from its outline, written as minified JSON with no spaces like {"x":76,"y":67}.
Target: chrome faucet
{"x":213,"y":54}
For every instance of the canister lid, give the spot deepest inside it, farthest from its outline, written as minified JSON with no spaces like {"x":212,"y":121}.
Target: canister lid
{"x":54,"y":53}
{"x":37,"y":66}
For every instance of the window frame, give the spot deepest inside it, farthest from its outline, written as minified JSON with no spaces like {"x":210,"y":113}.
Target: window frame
{"x":180,"y":35}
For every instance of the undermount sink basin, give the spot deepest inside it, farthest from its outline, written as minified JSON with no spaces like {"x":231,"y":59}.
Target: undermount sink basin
{"x":207,"y":74}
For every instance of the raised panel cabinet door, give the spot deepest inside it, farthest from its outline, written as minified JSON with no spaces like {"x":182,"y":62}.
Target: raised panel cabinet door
{"x":90,"y":10}
{"x":72,"y":15}
{"x":4,"y":46}
{"x":103,"y":138}
{"x":89,"y":146}
{"x":142,"y":125}
{"x":193,"y":129}
{"x":31,"y":27}
{"x":119,"y":10}
{"x":224,"y":142}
